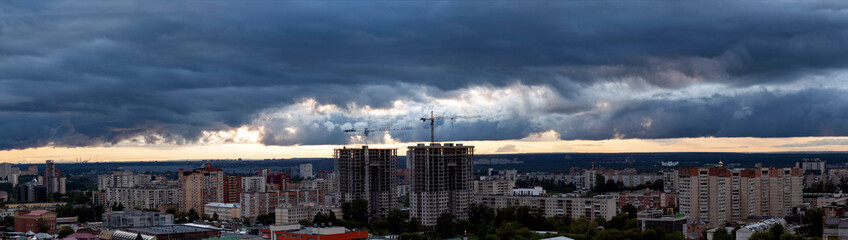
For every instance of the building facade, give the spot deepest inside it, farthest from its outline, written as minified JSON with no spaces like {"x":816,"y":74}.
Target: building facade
{"x":135,"y":218}
{"x":288,"y":214}
{"x":37,"y":221}
{"x":718,"y":195}
{"x":224,"y":211}
{"x":441,"y":180}
{"x":233,"y":189}
{"x":368,"y":173}
{"x":493,"y":187}
{"x":572,"y":207}
{"x":200,"y":186}
{"x":142,"y":196}
{"x":122,"y":179}
{"x":255,"y":204}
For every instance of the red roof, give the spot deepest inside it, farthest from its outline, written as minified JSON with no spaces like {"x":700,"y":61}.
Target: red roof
{"x":36,"y":212}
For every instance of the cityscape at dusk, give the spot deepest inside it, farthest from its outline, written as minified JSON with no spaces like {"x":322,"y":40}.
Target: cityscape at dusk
{"x":457,"y":119}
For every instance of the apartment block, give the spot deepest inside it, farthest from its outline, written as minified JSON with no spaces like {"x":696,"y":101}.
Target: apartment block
{"x":142,"y":196}
{"x":122,"y":179}
{"x":719,"y":195}
{"x":200,"y":186}
{"x":442,"y":180}
{"x":288,"y":214}
{"x":493,"y":187}
{"x":553,"y":206}
{"x":630,"y":178}
{"x":253,"y":184}
{"x":255,"y":204}
{"x":225,"y":211}
{"x":644,"y":199}
{"x":135,"y":218}
{"x":53,"y":178}
{"x":233,"y":188}
{"x":368,"y":173}
{"x":305,"y":170}
{"x":328,"y":186}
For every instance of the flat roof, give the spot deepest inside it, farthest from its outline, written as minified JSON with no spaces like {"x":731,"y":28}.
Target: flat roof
{"x":171,"y":229}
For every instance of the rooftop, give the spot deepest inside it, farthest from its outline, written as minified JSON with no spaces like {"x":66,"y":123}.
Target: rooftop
{"x":226,"y":205}
{"x":171,"y":229}
{"x":36,"y":212}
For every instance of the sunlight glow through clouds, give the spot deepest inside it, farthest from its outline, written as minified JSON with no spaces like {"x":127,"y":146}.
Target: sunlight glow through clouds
{"x":537,"y":143}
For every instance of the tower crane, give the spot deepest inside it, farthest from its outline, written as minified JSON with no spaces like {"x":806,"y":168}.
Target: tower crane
{"x":433,"y":119}
{"x":367,"y":131}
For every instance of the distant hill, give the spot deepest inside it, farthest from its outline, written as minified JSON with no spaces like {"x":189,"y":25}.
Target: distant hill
{"x":531,"y":162}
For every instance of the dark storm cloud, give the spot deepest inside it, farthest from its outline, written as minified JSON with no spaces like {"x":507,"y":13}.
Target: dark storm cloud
{"x":78,"y":73}
{"x":762,"y":114}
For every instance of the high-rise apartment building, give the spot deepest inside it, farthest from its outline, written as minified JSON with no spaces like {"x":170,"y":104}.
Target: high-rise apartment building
{"x":441,"y":180}
{"x":253,"y":184}
{"x":305,"y":170}
{"x":53,"y":179}
{"x":718,"y":195}
{"x":368,"y":173}
{"x":201,"y":186}
{"x":233,"y":188}
{"x":122,"y":179}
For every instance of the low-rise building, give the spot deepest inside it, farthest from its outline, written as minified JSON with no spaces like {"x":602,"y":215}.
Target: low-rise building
{"x":745,"y":232}
{"x":312,"y":233}
{"x":656,"y":219}
{"x":288,"y":214}
{"x":224,"y":211}
{"x":556,"y":206}
{"x":135,"y":219}
{"x":176,"y":232}
{"x":37,"y":221}
{"x":534,"y":191}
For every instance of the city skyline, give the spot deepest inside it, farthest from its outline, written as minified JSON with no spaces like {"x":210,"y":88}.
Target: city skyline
{"x":171,"y":81}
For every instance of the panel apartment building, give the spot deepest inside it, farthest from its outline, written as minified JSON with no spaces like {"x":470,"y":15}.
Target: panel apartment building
{"x":572,"y":207}
{"x":441,"y":181}
{"x":718,"y":195}
{"x":368,"y":173}
{"x":136,"y":190}
{"x":201,"y":186}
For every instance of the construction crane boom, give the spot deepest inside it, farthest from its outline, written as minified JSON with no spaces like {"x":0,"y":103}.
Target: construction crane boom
{"x":367,"y":131}
{"x":433,"y":119}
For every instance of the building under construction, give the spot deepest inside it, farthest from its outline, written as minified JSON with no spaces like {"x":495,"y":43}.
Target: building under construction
{"x":441,"y":181}
{"x":366,"y":173}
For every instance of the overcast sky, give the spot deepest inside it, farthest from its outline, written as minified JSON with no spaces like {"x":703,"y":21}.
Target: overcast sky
{"x":297,"y":73}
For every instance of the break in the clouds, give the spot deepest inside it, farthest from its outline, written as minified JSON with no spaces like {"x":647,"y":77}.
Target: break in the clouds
{"x":81,"y":73}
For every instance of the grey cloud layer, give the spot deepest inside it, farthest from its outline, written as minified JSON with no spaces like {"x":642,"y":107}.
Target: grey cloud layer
{"x":78,"y":73}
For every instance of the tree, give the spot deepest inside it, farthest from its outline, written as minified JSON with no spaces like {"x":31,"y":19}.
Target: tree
{"x":813,"y":218}
{"x":397,"y":218}
{"x":762,"y":236}
{"x":215,"y":216}
{"x":356,"y":210}
{"x":444,"y":225}
{"x":721,"y":234}
{"x":266,"y":219}
{"x":65,"y":231}
{"x":776,"y":231}
{"x":630,"y":210}
{"x":414,"y":225}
